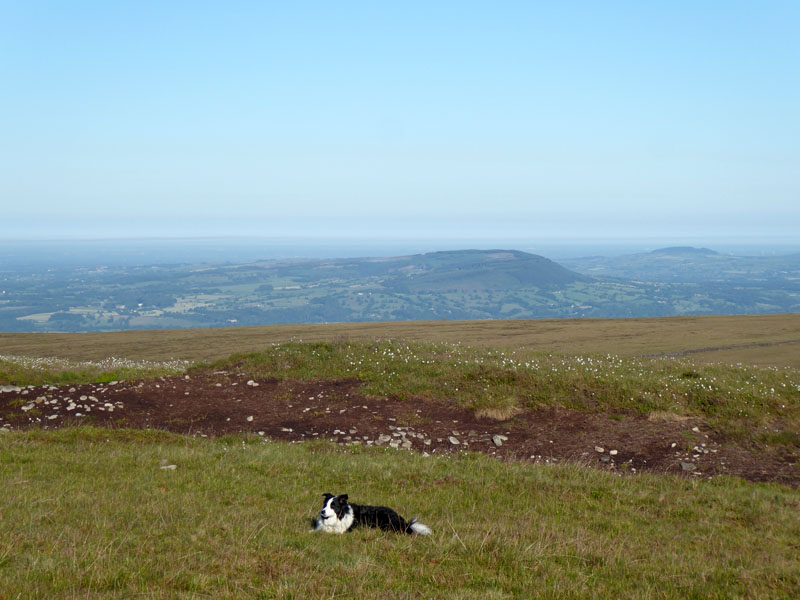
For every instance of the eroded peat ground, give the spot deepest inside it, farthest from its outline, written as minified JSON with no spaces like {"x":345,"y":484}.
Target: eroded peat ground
{"x":223,"y":403}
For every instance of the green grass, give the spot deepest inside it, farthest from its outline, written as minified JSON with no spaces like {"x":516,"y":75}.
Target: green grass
{"x":22,"y":371}
{"x":739,"y":401}
{"x":756,"y":407}
{"x":90,"y":513}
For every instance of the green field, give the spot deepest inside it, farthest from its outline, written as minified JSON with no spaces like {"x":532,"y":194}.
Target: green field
{"x":91,"y":513}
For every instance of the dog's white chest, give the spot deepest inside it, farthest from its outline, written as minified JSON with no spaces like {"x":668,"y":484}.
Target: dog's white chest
{"x":336,"y":525}
{"x":329,"y":521}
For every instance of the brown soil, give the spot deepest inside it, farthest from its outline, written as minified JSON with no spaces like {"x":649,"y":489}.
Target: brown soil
{"x":221,"y":403}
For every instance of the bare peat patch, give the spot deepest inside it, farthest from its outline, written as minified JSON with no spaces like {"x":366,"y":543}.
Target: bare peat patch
{"x":221,"y":403}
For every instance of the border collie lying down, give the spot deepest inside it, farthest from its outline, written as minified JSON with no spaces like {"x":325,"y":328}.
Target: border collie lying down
{"x":338,"y":516}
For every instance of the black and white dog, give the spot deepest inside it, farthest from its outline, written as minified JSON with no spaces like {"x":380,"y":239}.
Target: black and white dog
{"x":338,"y":516}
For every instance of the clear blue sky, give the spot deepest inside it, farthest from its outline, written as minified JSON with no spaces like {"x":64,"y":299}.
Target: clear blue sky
{"x":452,"y":119}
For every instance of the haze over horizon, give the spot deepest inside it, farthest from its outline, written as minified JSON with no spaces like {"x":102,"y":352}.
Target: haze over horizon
{"x":515,"y":121}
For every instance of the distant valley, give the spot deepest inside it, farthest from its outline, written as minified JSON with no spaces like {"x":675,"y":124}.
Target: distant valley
{"x":451,"y":285}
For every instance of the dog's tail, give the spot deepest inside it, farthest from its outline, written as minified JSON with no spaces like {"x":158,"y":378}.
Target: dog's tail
{"x":418,"y":528}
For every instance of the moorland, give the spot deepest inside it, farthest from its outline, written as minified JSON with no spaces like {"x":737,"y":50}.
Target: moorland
{"x":188,"y":463}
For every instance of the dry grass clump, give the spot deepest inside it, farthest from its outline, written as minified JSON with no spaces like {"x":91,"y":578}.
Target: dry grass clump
{"x":662,"y":416}
{"x":503,"y":410}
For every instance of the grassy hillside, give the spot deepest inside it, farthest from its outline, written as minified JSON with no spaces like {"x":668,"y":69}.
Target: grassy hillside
{"x":92,"y":513}
{"x":101,"y":513}
{"x":771,"y":340}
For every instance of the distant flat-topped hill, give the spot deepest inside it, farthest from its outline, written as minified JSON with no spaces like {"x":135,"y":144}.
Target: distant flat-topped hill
{"x":481,"y":270}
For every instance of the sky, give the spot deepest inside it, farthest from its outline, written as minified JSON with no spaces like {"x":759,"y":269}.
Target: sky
{"x":436,"y":120}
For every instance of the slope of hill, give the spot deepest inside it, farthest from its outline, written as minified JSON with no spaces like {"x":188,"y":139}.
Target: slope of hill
{"x":478,"y":270}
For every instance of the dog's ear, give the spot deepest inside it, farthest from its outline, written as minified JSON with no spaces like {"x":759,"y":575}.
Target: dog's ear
{"x":343,"y":498}
{"x":326,"y":496}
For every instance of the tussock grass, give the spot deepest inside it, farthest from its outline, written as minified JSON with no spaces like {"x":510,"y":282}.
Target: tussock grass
{"x":90,"y":514}
{"x":666,"y":417}
{"x":503,"y":409}
{"x":739,"y":401}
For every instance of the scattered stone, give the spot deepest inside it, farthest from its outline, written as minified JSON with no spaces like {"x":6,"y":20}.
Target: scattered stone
{"x":169,"y":467}
{"x":250,"y":419}
{"x":687,"y":466}
{"x":612,"y":452}
{"x":599,"y":449}
{"x":498,"y":440}
{"x":454,"y":440}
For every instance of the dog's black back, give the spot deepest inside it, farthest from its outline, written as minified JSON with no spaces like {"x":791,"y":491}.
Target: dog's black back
{"x":380,"y":517}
